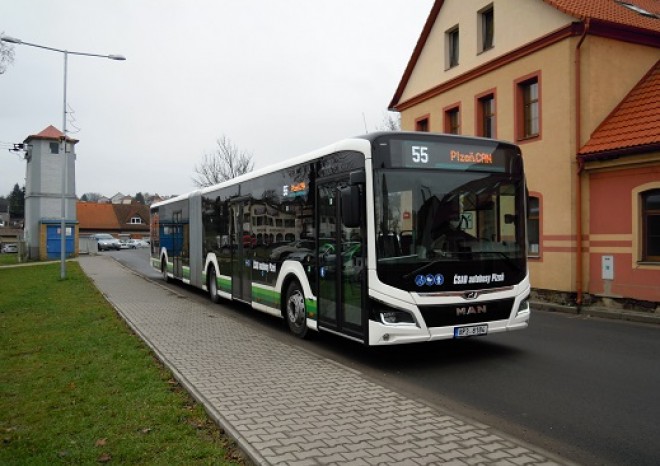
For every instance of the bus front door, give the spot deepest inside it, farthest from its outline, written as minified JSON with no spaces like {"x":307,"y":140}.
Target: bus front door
{"x":341,"y":259}
{"x":241,"y":260}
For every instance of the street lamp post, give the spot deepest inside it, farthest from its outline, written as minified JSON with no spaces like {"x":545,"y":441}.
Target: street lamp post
{"x":66,"y":54}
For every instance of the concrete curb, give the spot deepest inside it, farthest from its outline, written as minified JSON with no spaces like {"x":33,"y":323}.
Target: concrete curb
{"x":603,"y":313}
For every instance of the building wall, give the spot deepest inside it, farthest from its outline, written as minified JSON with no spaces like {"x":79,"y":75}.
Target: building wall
{"x":615,"y":230}
{"x":609,"y":69}
{"x":516,"y":23}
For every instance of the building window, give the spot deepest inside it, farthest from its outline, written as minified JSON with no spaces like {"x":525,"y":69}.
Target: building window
{"x":528,"y":107}
{"x":487,"y":28}
{"x":422,"y":124}
{"x":533,"y":226}
{"x":651,"y":225}
{"x":54,"y":148}
{"x":453,"y":120}
{"x":136,"y":221}
{"x":486,"y":116}
{"x":452,"y":48}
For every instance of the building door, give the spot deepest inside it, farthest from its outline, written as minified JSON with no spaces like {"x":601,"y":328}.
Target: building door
{"x":54,"y":241}
{"x":341,"y":260}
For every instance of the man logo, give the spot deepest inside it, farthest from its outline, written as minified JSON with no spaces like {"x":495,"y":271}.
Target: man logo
{"x":465,"y":311}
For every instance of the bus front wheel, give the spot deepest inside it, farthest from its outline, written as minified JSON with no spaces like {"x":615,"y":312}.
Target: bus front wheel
{"x":295,"y":314}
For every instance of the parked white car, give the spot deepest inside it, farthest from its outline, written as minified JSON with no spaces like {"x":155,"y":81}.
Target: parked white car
{"x":140,"y":243}
{"x":11,"y":247}
{"x":132,"y":243}
{"x":136,"y":243}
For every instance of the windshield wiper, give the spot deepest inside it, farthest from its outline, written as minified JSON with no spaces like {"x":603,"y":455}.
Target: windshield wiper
{"x":423,"y":267}
{"x":504,"y":256}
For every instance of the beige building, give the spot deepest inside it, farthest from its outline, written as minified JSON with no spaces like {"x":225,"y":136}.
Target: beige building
{"x":549,"y":75}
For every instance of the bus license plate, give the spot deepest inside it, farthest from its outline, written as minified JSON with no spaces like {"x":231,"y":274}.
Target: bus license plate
{"x":472,"y":331}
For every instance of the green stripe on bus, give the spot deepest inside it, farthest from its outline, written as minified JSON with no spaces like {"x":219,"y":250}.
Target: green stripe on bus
{"x":266,"y":297}
{"x":224,"y":284}
{"x":310,"y":305}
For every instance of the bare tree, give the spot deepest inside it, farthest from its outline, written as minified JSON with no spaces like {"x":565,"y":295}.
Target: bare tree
{"x":227,"y":162}
{"x":391,"y":122}
{"x":6,"y":54}
{"x":91,"y":197}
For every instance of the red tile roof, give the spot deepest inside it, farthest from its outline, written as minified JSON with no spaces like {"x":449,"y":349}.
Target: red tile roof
{"x":125,"y":212}
{"x":50,"y":133}
{"x":112,"y":217}
{"x":611,"y":11}
{"x":634,"y":123}
{"x":97,"y":216}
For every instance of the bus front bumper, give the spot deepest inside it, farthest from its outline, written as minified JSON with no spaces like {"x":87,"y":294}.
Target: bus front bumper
{"x":381,"y":334}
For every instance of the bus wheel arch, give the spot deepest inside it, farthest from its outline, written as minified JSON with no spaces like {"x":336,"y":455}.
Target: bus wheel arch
{"x":293,"y":308}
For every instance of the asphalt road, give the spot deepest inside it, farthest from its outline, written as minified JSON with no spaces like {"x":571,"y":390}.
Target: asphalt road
{"x":588,"y":389}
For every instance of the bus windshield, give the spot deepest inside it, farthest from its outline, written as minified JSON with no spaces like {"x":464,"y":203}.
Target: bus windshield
{"x":441,"y":230}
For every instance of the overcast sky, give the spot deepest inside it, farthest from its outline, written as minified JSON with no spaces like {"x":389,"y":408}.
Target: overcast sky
{"x":277,"y":77}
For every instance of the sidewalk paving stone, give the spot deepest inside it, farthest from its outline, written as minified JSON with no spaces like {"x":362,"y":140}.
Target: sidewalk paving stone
{"x":284,"y":405}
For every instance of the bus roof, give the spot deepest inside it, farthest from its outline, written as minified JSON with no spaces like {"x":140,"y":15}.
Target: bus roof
{"x":361,"y":143}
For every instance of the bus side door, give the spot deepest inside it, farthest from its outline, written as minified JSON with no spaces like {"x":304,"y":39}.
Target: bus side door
{"x":242,"y":253}
{"x":341,"y":261}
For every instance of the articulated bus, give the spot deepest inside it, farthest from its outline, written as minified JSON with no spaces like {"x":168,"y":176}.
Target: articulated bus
{"x":387,"y":238}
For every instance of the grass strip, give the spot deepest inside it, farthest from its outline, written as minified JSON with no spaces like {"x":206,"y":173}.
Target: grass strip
{"x":78,"y":387}
{"x":8,"y":259}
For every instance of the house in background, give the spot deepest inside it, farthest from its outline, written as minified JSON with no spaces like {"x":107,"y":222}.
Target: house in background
{"x":575,"y":84}
{"x":120,"y":220}
{"x":120,"y":198}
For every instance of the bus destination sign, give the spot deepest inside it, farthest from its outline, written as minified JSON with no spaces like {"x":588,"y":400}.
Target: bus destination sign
{"x":449,"y":156}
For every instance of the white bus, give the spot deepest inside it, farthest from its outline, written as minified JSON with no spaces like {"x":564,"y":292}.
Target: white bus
{"x":384,"y":239}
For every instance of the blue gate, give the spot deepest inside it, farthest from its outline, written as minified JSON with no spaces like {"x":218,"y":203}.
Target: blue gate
{"x":54,"y":242}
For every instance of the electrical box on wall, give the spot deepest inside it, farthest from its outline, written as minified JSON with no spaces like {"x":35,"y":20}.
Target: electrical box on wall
{"x":608,"y":267}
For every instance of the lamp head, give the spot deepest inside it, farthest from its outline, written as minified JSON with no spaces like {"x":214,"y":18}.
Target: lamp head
{"x":11,"y":39}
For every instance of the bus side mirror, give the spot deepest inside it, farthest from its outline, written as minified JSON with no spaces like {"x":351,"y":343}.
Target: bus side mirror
{"x":351,"y":205}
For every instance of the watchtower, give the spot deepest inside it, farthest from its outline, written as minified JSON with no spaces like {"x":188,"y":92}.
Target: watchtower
{"x":50,"y":194}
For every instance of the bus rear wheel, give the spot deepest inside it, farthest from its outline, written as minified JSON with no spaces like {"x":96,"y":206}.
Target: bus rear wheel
{"x":213,"y":286}
{"x":295,"y":314}
{"x":163,"y":270}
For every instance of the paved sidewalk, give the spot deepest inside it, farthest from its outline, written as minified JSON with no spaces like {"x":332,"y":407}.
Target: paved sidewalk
{"x":284,"y":405}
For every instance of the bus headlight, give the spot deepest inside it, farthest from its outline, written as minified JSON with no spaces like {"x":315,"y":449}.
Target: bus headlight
{"x":390,"y":316}
{"x":524,"y":306}
{"x":396,"y":317}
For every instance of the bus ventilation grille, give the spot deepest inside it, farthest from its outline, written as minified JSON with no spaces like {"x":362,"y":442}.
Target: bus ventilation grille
{"x":466,"y":313}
